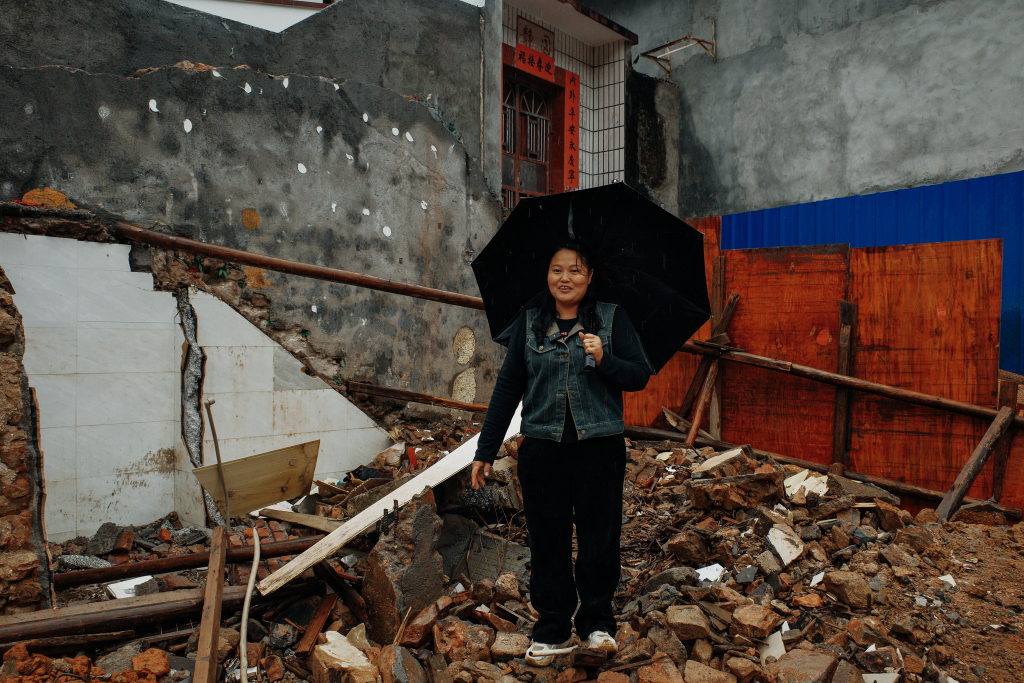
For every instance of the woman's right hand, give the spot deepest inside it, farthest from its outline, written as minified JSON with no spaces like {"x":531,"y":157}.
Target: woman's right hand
{"x":480,"y":470}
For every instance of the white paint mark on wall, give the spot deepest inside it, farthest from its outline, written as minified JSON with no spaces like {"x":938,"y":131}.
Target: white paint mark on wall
{"x":386,"y":231}
{"x":408,"y":136}
{"x":104,"y":111}
{"x":394,"y":131}
{"x":319,"y":130}
{"x":366,"y":118}
{"x":312,"y":308}
{"x":216,"y":74}
{"x":336,"y":86}
{"x":423,"y":205}
{"x":187,"y":125}
{"x":285,"y":82}
{"x":334,"y":207}
{"x":302,"y":168}
{"x":351,"y":159}
{"x":366,"y":212}
{"x":284,"y":209}
{"x":152,"y":106}
{"x":247,"y":88}
{"x":29,"y":109}
{"x":434,"y":150}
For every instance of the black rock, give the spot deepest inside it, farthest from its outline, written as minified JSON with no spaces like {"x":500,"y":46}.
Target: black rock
{"x":747,"y":575}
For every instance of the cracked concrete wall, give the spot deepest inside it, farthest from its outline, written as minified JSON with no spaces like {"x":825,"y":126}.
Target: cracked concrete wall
{"x":343,"y":174}
{"x":413,"y":47}
{"x":812,"y":100}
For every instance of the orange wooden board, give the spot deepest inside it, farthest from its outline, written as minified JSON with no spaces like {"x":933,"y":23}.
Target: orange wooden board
{"x":927,"y":320}
{"x":788,"y":309}
{"x":669,"y":385}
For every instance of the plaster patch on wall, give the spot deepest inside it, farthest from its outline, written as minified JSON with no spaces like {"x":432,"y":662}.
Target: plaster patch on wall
{"x":464,"y":345}
{"x":408,"y":136}
{"x":250,"y":219}
{"x":302,"y":168}
{"x":152,"y":106}
{"x":247,"y":88}
{"x":386,"y":231}
{"x":394,"y":131}
{"x":464,"y":386}
{"x":104,"y":111}
{"x":285,"y":82}
{"x":187,"y":125}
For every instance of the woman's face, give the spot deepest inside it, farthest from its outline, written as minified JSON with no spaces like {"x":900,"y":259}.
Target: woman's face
{"x":568,"y":278}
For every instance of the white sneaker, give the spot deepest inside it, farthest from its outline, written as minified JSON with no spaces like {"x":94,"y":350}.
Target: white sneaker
{"x":543,"y":654}
{"x":601,"y":641}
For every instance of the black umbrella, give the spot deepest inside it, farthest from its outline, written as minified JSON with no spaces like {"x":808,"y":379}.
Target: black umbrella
{"x":646,"y":260}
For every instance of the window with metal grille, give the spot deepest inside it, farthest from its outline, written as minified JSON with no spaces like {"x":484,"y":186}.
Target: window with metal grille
{"x":525,"y":141}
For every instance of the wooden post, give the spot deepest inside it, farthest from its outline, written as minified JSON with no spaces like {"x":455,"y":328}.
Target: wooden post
{"x":209,"y":627}
{"x":316,"y":624}
{"x":842,"y":417}
{"x":702,"y":402}
{"x":717,"y":308}
{"x":705,"y":364}
{"x":1001,"y":454}
{"x":977,"y":460}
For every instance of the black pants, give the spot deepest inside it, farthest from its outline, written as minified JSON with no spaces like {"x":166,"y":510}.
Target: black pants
{"x":564,"y":483}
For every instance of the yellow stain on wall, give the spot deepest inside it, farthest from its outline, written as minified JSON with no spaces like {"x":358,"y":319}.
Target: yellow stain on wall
{"x":256,"y":278}
{"x":48,"y":197}
{"x":250,"y":219}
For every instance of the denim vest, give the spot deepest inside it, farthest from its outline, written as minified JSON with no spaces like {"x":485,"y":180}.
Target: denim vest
{"x":554,"y":374}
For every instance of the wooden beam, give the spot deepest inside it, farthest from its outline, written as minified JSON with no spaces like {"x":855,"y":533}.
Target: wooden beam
{"x":842,"y":417}
{"x":316,"y":624}
{"x":414,"y":397}
{"x":209,"y":628}
{"x":440,"y":471}
{"x":702,"y":402}
{"x":905,"y":395}
{"x":69,"y":643}
{"x":717,"y":307}
{"x":1001,"y":455}
{"x":312,"y":521}
{"x":174,"y":564}
{"x":697,"y":382}
{"x":134,"y":233}
{"x":897,"y":487}
{"x":974,"y":464}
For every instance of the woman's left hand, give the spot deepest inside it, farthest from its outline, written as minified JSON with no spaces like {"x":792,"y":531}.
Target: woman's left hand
{"x":592,"y":345}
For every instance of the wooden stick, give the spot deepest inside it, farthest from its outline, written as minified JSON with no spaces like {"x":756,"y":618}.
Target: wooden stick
{"x":905,"y":395}
{"x":721,"y":327}
{"x":312,"y":521}
{"x":1001,"y":454}
{"x":209,"y":629}
{"x":897,"y":487}
{"x":316,"y":624}
{"x":973,"y":466}
{"x":174,"y":564}
{"x":414,"y":397}
{"x":401,"y":629}
{"x":134,"y":233}
{"x":68,"y":643}
{"x":444,"y":468}
{"x":841,"y":419}
{"x":702,"y":402}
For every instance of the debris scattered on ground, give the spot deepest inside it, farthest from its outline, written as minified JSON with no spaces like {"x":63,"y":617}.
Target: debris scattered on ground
{"x":735,"y":569}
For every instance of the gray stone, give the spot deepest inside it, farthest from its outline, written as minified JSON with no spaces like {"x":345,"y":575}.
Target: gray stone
{"x":676,"y":577}
{"x":102,"y":542}
{"x":862,"y":493}
{"x":747,"y":574}
{"x":397,"y":665}
{"x":66,"y":563}
{"x":119,"y":660}
{"x":282,"y":636}
{"x":668,"y":642}
{"x":847,"y":673}
{"x":810,"y":533}
{"x":768,"y":563}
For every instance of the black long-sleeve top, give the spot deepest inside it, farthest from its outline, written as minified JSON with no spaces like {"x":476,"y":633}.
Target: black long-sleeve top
{"x":627,"y":370}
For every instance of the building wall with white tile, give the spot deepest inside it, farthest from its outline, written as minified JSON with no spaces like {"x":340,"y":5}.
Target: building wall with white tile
{"x":264,"y":401}
{"x":103,"y":353}
{"x":602,"y":73}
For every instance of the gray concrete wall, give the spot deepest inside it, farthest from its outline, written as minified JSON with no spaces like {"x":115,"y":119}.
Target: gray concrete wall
{"x":652,"y":133}
{"x":814,"y":100}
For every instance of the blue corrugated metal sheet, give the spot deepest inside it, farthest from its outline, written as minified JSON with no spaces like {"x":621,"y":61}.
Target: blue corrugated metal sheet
{"x":980,"y":208}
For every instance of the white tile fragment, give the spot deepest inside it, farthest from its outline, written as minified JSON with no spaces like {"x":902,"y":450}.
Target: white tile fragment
{"x":773,"y":647}
{"x":948,"y":578}
{"x":817,"y":578}
{"x":711,"y":572}
{"x":126,"y":588}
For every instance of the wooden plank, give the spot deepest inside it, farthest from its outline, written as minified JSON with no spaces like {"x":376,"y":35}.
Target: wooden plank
{"x":448,"y":466}
{"x":1007,"y":398}
{"x":209,"y":628}
{"x":326,"y":489}
{"x":786,"y":310}
{"x":69,"y":643}
{"x":139,"y":602}
{"x":844,"y":366}
{"x":414,"y":397}
{"x":312,"y":521}
{"x":973,"y":466}
{"x":702,"y":402}
{"x":316,"y":624}
{"x":681,"y":424}
{"x":928,"y":321}
{"x":263,"y":479}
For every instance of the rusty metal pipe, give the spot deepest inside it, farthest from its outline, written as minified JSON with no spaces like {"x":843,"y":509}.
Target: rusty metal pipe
{"x":135,"y":233}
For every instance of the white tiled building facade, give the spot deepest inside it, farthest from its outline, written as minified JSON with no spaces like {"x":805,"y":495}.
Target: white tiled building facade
{"x":602,"y":73}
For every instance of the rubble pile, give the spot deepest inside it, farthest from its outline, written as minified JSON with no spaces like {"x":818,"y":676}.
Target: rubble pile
{"x":735,"y":569}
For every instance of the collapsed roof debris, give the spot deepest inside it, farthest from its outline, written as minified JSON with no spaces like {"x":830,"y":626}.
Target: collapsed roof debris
{"x":735,"y":568}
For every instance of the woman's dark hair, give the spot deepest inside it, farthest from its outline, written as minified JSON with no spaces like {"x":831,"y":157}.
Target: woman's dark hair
{"x":588,"y":317}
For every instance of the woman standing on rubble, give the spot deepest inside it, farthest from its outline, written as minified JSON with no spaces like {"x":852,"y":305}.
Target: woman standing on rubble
{"x":569,"y":360}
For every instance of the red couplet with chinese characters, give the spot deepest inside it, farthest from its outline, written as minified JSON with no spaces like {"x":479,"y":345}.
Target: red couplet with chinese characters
{"x":534,"y":62}
{"x":572,"y":131}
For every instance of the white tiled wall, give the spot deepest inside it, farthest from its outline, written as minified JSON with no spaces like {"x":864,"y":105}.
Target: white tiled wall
{"x":602,"y":72}
{"x":263,"y":401}
{"x":103,"y":354}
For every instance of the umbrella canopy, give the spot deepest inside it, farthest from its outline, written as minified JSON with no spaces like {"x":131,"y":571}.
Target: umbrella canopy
{"x":645,"y":260}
